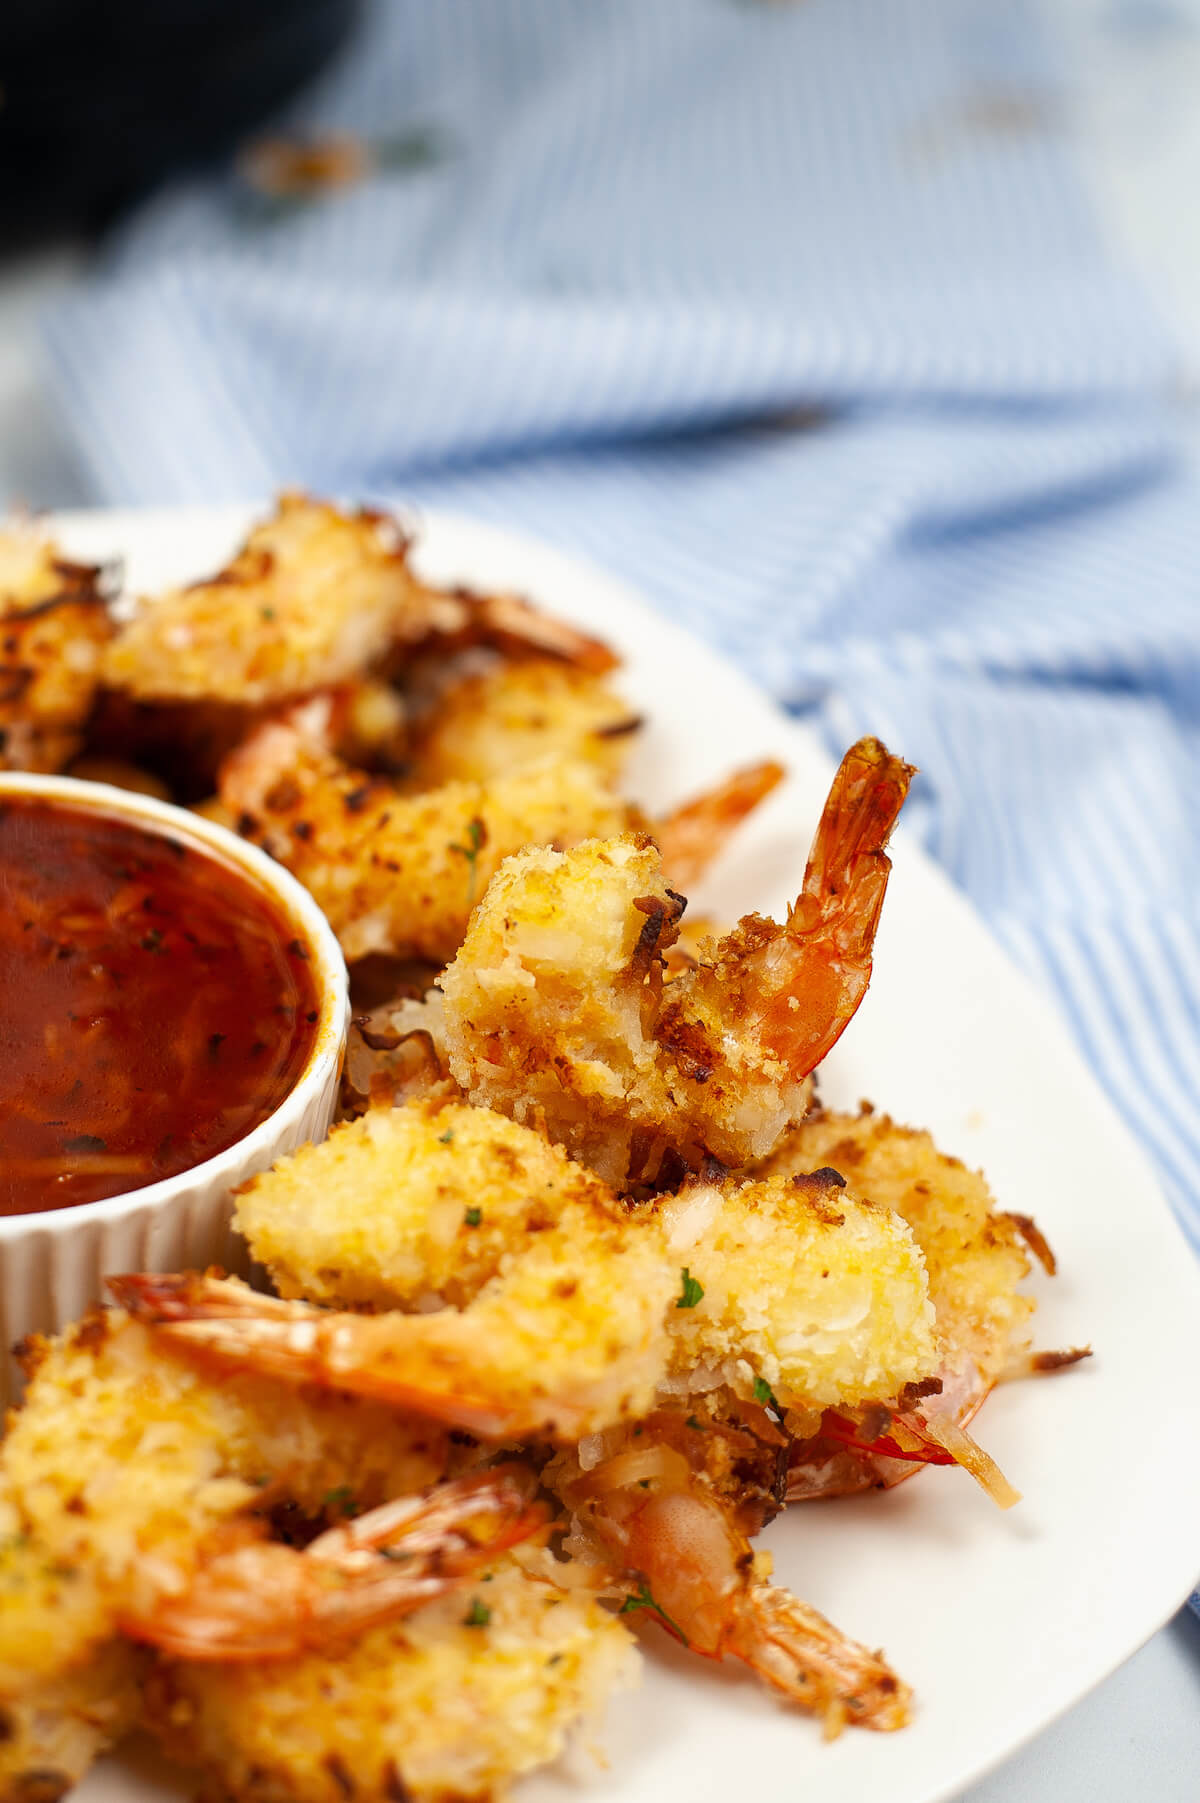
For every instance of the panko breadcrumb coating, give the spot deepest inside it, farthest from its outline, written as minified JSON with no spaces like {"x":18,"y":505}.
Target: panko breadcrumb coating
{"x":975,"y":1255}
{"x":464,"y":1697}
{"x":803,"y":1287}
{"x":800,"y":1285}
{"x":554,"y":1013}
{"x":392,"y":872}
{"x":519,"y":713}
{"x":556,"y":1010}
{"x":313,"y":597}
{"x":126,"y":1453}
{"x":54,"y":624}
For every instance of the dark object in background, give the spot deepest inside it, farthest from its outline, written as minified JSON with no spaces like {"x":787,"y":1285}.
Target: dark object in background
{"x":101,"y":98}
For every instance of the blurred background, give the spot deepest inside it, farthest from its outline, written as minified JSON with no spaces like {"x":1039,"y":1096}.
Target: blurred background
{"x":863,"y":335}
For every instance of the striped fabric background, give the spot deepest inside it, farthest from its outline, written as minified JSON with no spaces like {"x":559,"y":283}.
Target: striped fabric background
{"x":609,"y":249}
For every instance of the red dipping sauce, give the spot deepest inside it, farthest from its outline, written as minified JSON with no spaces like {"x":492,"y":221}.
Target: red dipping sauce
{"x":155,"y":1005}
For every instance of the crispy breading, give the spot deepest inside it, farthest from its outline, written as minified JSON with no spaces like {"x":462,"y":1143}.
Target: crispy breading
{"x":802,"y":1286}
{"x":806,"y":1289}
{"x":392,"y":872}
{"x":313,"y":597}
{"x":974,"y":1254}
{"x":562,"y":1299}
{"x":519,"y":713}
{"x":468,"y":1694}
{"x":54,"y":624}
{"x":126,"y":1453}
{"x":555,"y":1012}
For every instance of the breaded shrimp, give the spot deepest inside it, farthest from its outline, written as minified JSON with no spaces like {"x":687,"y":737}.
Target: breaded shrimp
{"x":566,"y":1310}
{"x":52,"y":1730}
{"x":392,"y":872}
{"x":795,"y":1290}
{"x":555,"y":1316}
{"x":54,"y":624}
{"x":514,"y":714}
{"x":976,"y":1257}
{"x":469,"y":1694}
{"x":126,"y":1456}
{"x":313,"y":597}
{"x":662,"y":1502}
{"x":251,"y":1599}
{"x":555,"y":1007}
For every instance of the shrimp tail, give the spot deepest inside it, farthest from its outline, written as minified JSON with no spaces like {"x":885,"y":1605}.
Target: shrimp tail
{"x":831,"y":925}
{"x":255,"y":1600}
{"x":515,"y":628}
{"x":795,"y":1650}
{"x":847,"y":857}
{"x":695,"y":834}
{"x":426,"y":1363}
{"x":380,"y":1357}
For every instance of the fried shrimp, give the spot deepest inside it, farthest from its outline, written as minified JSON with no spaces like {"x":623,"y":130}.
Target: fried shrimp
{"x":254,"y":1599}
{"x":518,"y":1363}
{"x":313,"y":597}
{"x":126,"y":1457}
{"x":520,"y":713}
{"x":54,"y":624}
{"x":392,"y":872}
{"x":662,"y":1502}
{"x":555,"y":1007}
{"x":795,"y":1291}
{"x":52,"y":1730}
{"x":469,"y":1694}
{"x":976,"y":1257}
{"x":561,"y":1309}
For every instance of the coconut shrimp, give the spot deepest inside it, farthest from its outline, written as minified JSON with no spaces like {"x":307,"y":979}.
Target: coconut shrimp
{"x":313,"y":597}
{"x":519,"y":713}
{"x":397,"y":873}
{"x":469,"y":1694}
{"x":976,"y":1256}
{"x":251,"y":1599}
{"x":662,"y":1501}
{"x":785,"y":1282}
{"x":54,"y":624}
{"x":125,"y":1457}
{"x":556,"y":1011}
{"x":562,"y":1310}
{"x":554,"y":1316}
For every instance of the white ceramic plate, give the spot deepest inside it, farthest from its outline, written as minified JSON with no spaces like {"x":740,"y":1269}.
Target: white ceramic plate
{"x":999,"y":1621}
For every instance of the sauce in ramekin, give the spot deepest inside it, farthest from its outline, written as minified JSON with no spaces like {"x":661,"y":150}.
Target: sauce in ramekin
{"x":155,"y":1005}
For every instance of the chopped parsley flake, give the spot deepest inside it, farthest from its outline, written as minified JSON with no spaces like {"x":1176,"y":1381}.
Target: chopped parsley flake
{"x":478,"y":1615}
{"x":477,"y":839}
{"x":446,"y":1138}
{"x":473,"y":1217}
{"x":692,"y":1291}
{"x":341,"y":1498}
{"x":643,"y":1598}
{"x":765,"y":1394}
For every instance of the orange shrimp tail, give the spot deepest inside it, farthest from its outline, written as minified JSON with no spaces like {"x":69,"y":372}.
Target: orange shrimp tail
{"x":695,"y":834}
{"x":831,"y":928}
{"x":800,"y":1654}
{"x":251,"y":1599}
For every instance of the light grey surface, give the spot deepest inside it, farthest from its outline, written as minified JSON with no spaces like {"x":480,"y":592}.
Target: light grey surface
{"x":1135,"y":115}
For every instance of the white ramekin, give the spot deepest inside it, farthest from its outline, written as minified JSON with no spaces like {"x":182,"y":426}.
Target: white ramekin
{"x":53,"y":1265}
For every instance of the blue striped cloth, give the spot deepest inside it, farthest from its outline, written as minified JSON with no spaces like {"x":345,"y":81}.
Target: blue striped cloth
{"x":612,"y":257}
